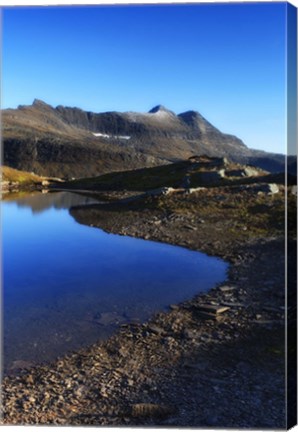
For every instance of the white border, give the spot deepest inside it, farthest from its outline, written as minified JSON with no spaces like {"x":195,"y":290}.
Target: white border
{"x":11,"y":3}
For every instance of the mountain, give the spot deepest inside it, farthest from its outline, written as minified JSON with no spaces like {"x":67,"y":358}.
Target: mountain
{"x":69,"y":142}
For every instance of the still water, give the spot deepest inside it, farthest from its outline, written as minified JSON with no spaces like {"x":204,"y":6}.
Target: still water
{"x":67,"y":285}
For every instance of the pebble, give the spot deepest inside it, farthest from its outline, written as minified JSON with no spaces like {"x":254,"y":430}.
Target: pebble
{"x":226,"y":288}
{"x":155,"y":329}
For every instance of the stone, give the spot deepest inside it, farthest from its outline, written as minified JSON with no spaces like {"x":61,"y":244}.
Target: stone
{"x":231,"y":304}
{"x":189,"y":334}
{"x":226,"y":288}
{"x":150,"y":410}
{"x":190,"y":227}
{"x":197,"y":189}
{"x":123,"y":352}
{"x":215,"y":309}
{"x":267,"y":188}
{"x":250,"y":171}
{"x":208,"y":315}
{"x":29,"y":379}
{"x":155,"y":329}
{"x":273,"y":188}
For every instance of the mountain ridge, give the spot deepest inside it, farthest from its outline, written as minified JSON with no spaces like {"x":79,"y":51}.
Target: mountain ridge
{"x":70,"y":142}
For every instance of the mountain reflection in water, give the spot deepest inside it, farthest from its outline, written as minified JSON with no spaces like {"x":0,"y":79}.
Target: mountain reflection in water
{"x":39,"y":202}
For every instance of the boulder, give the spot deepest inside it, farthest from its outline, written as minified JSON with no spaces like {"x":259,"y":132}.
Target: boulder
{"x":273,"y":188}
{"x":267,"y":188}
{"x":250,"y":171}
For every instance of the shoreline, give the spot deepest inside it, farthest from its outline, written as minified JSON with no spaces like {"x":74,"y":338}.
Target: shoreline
{"x":179,"y":368}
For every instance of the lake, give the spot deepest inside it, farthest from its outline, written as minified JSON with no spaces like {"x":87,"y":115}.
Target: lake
{"x":66,"y":285}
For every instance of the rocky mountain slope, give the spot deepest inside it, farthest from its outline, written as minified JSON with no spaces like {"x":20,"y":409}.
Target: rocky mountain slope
{"x":69,"y":142}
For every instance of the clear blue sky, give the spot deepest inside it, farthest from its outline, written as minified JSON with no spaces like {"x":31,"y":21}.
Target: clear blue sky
{"x":226,"y":61}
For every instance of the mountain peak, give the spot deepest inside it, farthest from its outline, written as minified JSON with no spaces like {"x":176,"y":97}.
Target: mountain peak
{"x":159,"y":109}
{"x":190,"y":115}
{"x":39,"y":102}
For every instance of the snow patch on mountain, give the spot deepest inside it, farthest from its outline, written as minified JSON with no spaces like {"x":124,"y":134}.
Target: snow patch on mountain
{"x":102,"y":135}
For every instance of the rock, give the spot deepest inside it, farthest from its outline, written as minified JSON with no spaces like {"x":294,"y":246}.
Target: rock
{"x":29,"y":379}
{"x":250,"y":171}
{"x":273,"y":188}
{"x":197,"y":189}
{"x":5,"y":185}
{"x":190,"y":227}
{"x":263,"y":322}
{"x":190,"y":334}
{"x":123,"y":352}
{"x":232,"y":304}
{"x":226,"y":288}
{"x":268,"y":188}
{"x":208,"y":316}
{"x":103,"y":390}
{"x":215,"y":309}
{"x":155,"y":329}
{"x":150,"y":410}
{"x":247,"y":171}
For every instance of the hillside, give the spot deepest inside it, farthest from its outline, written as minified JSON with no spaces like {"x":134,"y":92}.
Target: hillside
{"x":196,"y":172}
{"x":69,"y":142}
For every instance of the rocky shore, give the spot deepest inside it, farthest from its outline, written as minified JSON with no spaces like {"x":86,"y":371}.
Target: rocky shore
{"x":217,"y":360}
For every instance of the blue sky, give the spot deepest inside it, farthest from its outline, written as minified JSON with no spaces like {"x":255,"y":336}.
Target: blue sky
{"x":226,"y":61}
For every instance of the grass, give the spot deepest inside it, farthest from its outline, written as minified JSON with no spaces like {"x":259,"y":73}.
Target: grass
{"x":16,"y":176}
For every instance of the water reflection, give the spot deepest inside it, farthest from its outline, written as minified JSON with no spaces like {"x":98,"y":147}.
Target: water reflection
{"x":67,"y":285}
{"x":39,"y":202}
